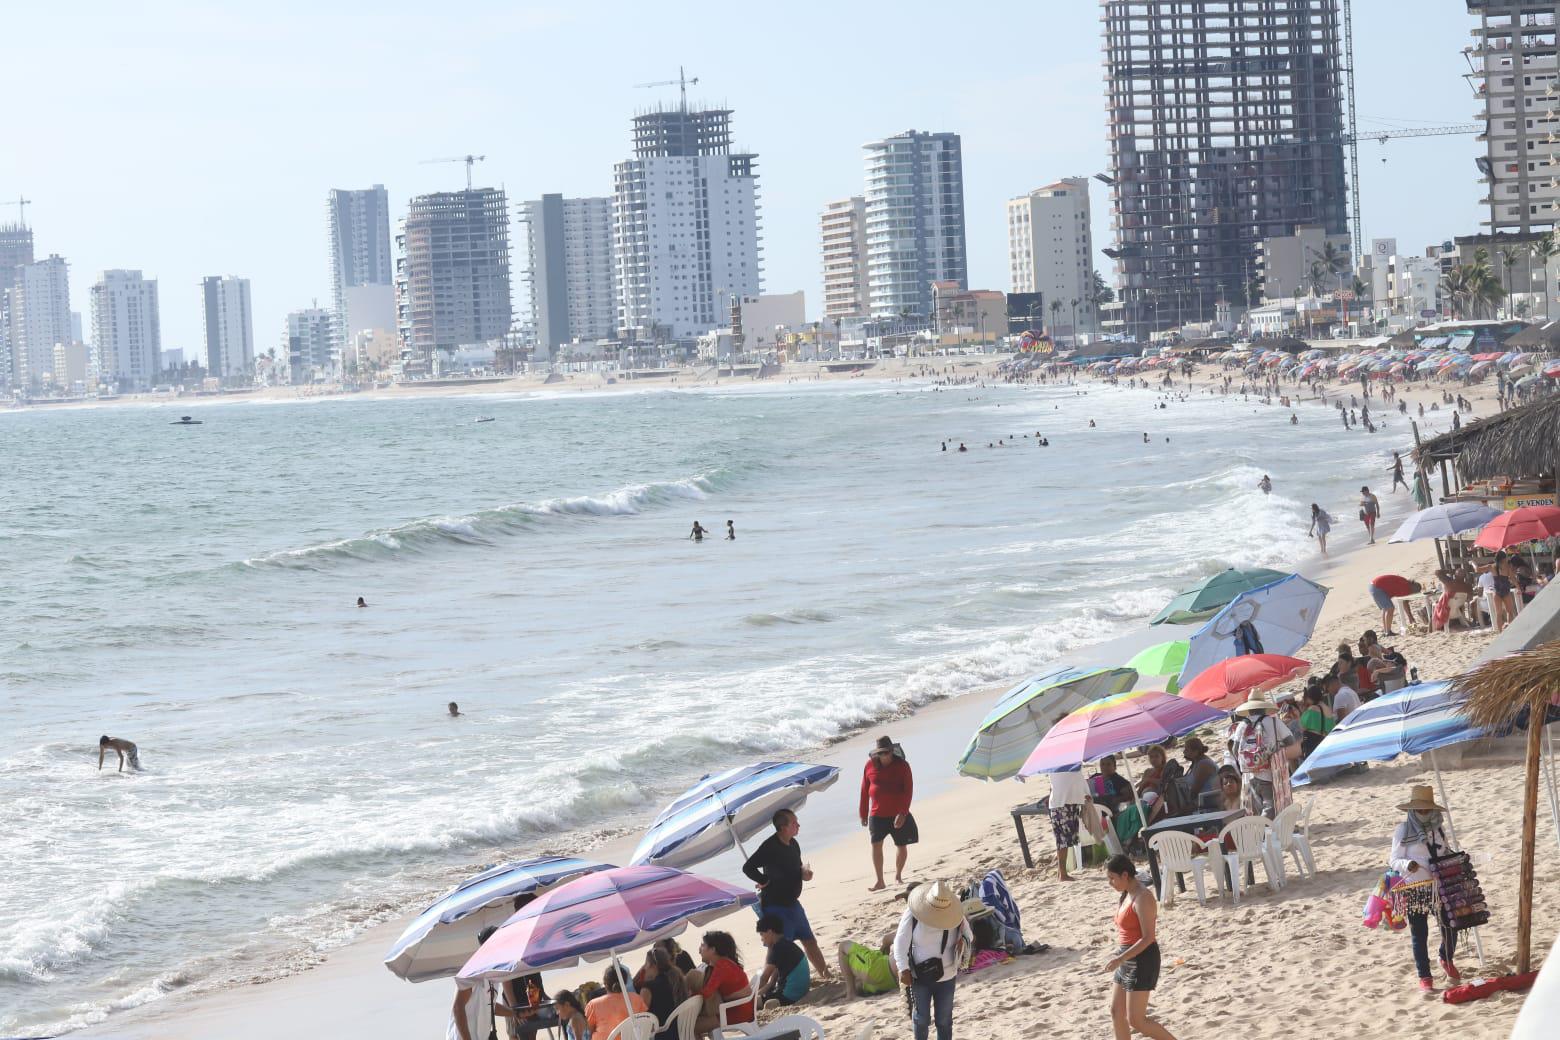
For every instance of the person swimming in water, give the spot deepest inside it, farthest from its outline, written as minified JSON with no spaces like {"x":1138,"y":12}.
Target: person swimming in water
{"x":454,"y":710}
{"x":698,"y":532}
{"x":962,"y":447}
{"x":126,"y":749}
{"x":1266,"y":484}
{"x":362,"y":602}
{"x":731,"y":530}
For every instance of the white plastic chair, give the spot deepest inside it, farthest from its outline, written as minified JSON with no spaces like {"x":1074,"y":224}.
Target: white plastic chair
{"x":1112,"y":843}
{"x":684,"y":1016}
{"x":1249,"y":835}
{"x":733,"y":1004}
{"x":638,"y":1026}
{"x":1177,"y":854}
{"x":1303,"y":828}
{"x":1285,"y":837}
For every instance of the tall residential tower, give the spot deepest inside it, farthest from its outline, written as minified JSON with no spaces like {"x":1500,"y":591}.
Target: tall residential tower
{"x":230,"y":329}
{"x":126,"y":330}
{"x":452,"y":278}
{"x":362,"y":263}
{"x":37,"y":317}
{"x":1515,"y":58}
{"x":1226,"y":127}
{"x":914,"y":221}
{"x":844,"y":233}
{"x":569,"y":269}
{"x":685,"y":225}
{"x":1051,"y":250}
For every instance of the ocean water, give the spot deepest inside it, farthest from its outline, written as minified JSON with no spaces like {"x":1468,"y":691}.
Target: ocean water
{"x":193,"y":589}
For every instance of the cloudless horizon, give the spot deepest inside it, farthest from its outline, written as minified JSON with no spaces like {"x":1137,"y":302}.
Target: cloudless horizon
{"x":188,"y":140}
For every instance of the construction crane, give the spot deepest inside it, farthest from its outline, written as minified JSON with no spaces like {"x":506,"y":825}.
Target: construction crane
{"x":1383,"y":136}
{"x":21,"y":205}
{"x":681,"y":83}
{"x":469,"y":160}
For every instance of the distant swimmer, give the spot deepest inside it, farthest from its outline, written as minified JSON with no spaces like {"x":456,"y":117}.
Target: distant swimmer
{"x":126,"y":749}
{"x":362,"y":602}
{"x":962,"y":447}
{"x":1294,"y":420}
{"x":698,"y":532}
{"x":1266,"y":484}
{"x":1145,"y":438}
{"x":454,"y":710}
{"x":1091,"y":424}
{"x":731,"y":530}
{"x":945,"y":445}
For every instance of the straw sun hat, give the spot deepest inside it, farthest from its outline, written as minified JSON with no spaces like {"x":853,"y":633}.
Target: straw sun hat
{"x":1258,"y":702}
{"x":936,"y":905}
{"x":1422,"y":800}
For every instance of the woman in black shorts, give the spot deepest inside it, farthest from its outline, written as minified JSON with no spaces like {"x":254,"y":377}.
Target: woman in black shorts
{"x":1136,"y":964}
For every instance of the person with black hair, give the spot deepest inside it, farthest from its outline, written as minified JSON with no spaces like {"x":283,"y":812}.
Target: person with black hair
{"x":1136,"y":963}
{"x":721,"y":981}
{"x":777,"y":870}
{"x":476,"y":1010}
{"x":571,"y":1015}
{"x":612,"y":1008}
{"x":887,"y":786}
{"x":126,"y":750}
{"x":663,"y":986}
{"x":786,"y":978}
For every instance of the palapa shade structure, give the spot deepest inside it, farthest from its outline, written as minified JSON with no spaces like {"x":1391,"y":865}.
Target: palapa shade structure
{"x":1519,"y":442}
{"x":1498,"y":691}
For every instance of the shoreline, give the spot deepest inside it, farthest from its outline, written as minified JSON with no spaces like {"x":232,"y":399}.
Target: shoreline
{"x":931,"y":733}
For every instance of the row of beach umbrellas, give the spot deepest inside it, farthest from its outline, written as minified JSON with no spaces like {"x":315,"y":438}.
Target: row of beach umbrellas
{"x":1502,"y":529}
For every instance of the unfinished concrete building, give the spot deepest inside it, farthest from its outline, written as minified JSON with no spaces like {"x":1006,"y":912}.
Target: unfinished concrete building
{"x":452,"y":276}
{"x":1226,"y":127}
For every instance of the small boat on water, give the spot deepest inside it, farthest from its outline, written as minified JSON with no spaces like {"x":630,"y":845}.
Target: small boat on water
{"x":185,"y":420}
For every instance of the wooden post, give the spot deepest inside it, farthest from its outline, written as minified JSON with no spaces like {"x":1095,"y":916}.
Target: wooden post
{"x":1446,"y":490}
{"x":1535,"y":735}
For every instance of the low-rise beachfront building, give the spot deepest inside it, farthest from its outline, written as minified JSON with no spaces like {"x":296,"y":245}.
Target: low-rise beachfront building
{"x":978,"y":313}
{"x":767,"y":320}
{"x":1284,"y":262}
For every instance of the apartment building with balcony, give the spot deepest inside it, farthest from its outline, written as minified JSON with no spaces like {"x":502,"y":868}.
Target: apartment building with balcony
{"x":843,"y":227}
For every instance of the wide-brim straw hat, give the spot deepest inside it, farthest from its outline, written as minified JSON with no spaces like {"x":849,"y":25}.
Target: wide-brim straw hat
{"x":936,"y":905}
{"x":1422,"y":800}
{"x":1258,"y":701}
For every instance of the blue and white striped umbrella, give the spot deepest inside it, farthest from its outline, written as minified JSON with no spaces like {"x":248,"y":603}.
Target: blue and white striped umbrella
{"x":441,"y":938}
{"x":1412,"y":721}
{"x":723,"y":810}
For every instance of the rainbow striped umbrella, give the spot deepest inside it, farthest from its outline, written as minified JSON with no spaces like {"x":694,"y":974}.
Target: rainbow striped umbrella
{"x":1113,"y":724}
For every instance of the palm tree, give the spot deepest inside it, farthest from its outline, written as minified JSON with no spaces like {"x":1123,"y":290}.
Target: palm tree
{"x":1545,"y":250}
{"x":1508,"y":260}
{"x":1056,"y":308}
{"x":1332,"y":260}
{"x":1099,"y":294}
{"x":1454,"y":288}
{"x":1317,"y":277}
{"x":1074,"y":302}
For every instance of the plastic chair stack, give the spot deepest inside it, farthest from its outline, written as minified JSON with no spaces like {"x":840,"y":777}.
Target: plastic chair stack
{"x":1286,"y":836}
{"x":1249,"y":835}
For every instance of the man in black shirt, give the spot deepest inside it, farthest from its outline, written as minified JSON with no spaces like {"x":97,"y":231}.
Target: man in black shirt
{"x":777,"y":869}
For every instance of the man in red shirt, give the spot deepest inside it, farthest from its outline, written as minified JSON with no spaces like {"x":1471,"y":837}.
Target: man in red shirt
{"x":886,"y":786}
{"x":1383,"y":588}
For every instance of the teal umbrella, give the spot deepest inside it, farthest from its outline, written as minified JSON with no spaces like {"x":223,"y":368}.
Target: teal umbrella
{"x":1024,"y":714}
{"x":1201,"y":601}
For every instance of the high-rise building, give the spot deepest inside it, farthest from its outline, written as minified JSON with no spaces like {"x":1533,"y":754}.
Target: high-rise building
{"x":452,"y":277}
{"x":569,"y":269}
{"x":1051,"y":251}
{"x":844,"y":233}
{"x":37,"y":317}
{"x":126,"y":330}
{"x":362,"y":262}
{"x":914,"y":221}
{"x":16,"y":250}
{"x":685,"y":225}
{"x":1515,"y":58}
{"x":230,"y":329}
{"x":308,"y":341}
{"x":1226,"y":127}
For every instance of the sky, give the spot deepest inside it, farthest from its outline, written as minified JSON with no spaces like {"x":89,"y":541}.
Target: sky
{"x":190,"y":139}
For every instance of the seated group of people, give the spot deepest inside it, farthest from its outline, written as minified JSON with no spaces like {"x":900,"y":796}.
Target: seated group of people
{"x":1503,"y":576}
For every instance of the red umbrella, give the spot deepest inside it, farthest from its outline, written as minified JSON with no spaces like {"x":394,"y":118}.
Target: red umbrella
{"x":1235,"y":677}
{"x":1525,"y":524}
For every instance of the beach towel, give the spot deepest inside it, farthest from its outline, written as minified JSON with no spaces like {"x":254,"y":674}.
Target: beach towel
{"x":1128,"y":823}
{"x":986,"y":958}
{"x":993,"y":891}
{"x":1283,"y":794}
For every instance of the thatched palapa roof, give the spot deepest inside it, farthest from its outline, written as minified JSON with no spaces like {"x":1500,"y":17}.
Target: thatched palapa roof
{"x":1543,"y":336}
{"x":1520,"y":442}
{"x":1498,"y":690}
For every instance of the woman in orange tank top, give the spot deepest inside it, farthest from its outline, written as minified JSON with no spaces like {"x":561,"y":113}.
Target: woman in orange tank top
{"x":1136,"y":964}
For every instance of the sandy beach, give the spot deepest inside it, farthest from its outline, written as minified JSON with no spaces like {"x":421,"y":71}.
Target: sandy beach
{"x":1318,"y":971}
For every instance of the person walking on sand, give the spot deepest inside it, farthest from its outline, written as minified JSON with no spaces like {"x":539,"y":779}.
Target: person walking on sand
{"x":1069,"y":800}
{"x":126,"y":750}
{"x":1417,"y":840}
{"x":1370,"y":509}
{"x":1136,"y":963}
{"x":777,"y":870}
{"x":1397,"y":473}
{"x":1321,"y":524}
{"x":886,"y":788}
{"x":698,"y":532}
{"x":929,"y":947}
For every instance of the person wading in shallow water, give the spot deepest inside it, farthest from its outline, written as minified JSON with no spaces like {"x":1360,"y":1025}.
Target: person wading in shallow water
{"x":698,"y":532}
{"x":731,"y":530}
{"x":126,"y":750}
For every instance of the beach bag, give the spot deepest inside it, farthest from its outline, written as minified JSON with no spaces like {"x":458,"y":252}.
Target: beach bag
{"x":928,"y":971}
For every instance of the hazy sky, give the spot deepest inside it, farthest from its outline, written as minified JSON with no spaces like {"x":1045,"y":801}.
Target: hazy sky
{"x":195,"y":139}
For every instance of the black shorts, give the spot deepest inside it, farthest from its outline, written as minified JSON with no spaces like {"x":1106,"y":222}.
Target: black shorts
{"x":880,"y":827}
{"x":1141,"y":973}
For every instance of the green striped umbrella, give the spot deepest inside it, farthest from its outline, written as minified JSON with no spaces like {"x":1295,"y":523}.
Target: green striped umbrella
{"x":1201,"y":601}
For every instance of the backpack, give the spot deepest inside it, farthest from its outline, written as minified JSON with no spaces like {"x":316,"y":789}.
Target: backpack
{"x":1256,"y":754}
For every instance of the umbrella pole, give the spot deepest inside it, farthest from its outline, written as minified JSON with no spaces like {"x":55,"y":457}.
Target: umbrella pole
{"x":1136,"y":797}
{"x":726,"y":815}
{"x":1549,"y":765}
{"x":1451,"y":832}
{"x":617,"y":966}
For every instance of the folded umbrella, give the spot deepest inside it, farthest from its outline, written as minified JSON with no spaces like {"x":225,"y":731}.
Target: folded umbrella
{"x":1444,"y":520}
{"x":1203,"y":600}
{"x":1230,"y":680}
{"x":1524,"y":524}
{"x":723,"y":810}
{"x":442,"y":937}
{"x":1024,"y":714}
{"x":1282,"y":616}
